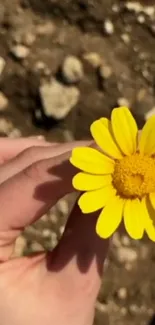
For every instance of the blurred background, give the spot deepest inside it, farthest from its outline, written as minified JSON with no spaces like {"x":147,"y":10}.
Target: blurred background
{"x":62,"y":65}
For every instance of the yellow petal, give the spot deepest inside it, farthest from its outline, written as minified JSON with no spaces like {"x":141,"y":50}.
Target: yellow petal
{"x":152,"y":199}
{"x":88,"y":182}
{"x":149,"y":219}
{"x":133,"y":218}
{"x":105,"y":121}
{"x":125,"y":129}
{"x":110,"y":217}
{"x":95,"y":200}
{"x":91,"y":161}
{"x":101,"y":132}
{"x":147,"y":137}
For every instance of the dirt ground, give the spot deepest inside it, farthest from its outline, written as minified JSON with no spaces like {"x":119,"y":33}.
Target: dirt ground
{"x":114,"y":42}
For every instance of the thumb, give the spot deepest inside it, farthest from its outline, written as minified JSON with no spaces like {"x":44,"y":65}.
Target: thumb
{"x":81,"y":254}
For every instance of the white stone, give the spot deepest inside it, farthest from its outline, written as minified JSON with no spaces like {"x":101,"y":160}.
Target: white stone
{"x":58,"y":99}
{"x":108,"y":27}
{"x":72,"y":69}
{"x":141,"y":19}
{"x":20,"y":51}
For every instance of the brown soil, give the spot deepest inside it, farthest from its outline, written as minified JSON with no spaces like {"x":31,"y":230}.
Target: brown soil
{"x":78,"y":29}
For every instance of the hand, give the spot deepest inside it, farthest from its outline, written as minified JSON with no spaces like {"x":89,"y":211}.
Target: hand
{"x":53,"y":288}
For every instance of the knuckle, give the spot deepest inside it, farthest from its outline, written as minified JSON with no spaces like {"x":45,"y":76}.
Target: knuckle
{"x":34,"y":172}
{"x":30,"y":153}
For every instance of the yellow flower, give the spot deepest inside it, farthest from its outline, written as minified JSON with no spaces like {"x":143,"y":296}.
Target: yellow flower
{"x":120,"y":177}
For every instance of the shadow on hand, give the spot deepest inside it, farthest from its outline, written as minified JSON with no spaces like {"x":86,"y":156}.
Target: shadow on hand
{"x":79,"y":241}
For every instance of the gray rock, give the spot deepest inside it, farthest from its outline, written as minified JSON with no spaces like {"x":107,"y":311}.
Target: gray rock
{"x":72,"y":69}
{"x":58,"y":99}
{"x":20,"y":51}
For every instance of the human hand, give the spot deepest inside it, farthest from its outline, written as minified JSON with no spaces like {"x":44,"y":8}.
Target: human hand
{"x":53,"y":288}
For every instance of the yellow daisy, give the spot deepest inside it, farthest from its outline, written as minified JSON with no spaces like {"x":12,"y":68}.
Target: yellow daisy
{"x":120,"y":178}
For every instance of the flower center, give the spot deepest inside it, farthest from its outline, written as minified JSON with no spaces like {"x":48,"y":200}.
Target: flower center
{"x":134,"y":176}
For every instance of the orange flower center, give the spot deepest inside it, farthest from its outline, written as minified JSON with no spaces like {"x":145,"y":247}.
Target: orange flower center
{"x":134,"y":176}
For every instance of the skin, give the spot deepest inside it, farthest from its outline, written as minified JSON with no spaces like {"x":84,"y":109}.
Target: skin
{"x":58,"y":287}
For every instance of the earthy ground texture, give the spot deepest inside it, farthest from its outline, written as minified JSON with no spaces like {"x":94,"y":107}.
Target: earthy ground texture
{"x":62,"y":65}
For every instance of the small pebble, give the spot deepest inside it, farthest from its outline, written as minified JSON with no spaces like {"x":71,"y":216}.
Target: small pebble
{"x":5,"y":126}
{"x":134,"y":309}
{"x":2,"y":65}
{"x":115,"y":8}
{"x":20,"y":245}
{"x":29,"y":39}
{"x":53,"y":218}
{"x":36,"y":247}
{"x":94,"y":59}
{"x":122,"y":101}
{"x":108,"y":27}
{"x":20,"y":51}
{"x":122,"y":293}
{"x":61,"y":230}
{"x":123,"y":311}
{"x":101,"y":307}
{"x":15,"y":133}
{"x":116,"y":240}
{"x":40,"y":66}
{"x":3,"y":102}
{"x":62,"y":206}
{"x":46,"y":233}
{"x":72,"y":69}
{"x":105,"y":71}
{"x":150,"y":113}
{"x":125,"y":240}
{"x":46,"y":29}
{"x":125,"y":38}
{"x":126,"y":255}
{"x":141,"y":19}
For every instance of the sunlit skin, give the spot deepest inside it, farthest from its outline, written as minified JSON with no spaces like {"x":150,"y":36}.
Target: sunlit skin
{"x":59,"y":287}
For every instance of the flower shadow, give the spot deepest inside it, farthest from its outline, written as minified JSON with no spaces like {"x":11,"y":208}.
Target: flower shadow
{"x":79,"y":243}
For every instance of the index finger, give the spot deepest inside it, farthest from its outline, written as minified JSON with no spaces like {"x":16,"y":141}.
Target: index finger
{"x":28,"y":195}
